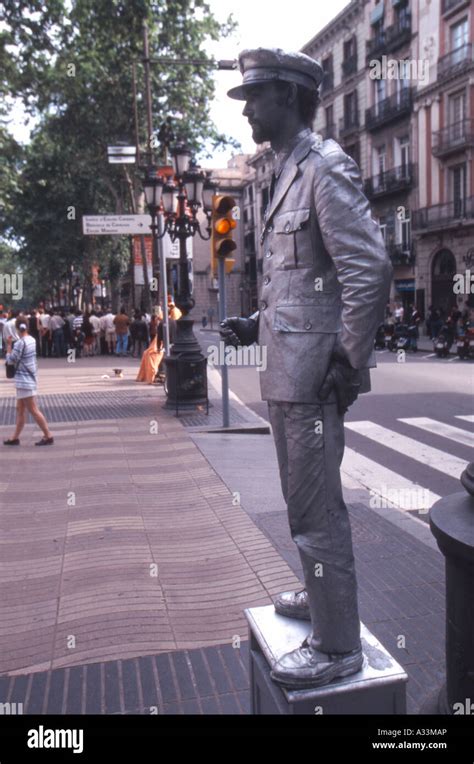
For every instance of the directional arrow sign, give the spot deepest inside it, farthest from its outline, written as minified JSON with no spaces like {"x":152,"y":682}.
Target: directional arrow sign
{"x":115,"y":225}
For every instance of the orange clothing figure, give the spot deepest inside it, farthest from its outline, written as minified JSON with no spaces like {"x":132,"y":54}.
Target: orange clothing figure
{"x":151,"y":360}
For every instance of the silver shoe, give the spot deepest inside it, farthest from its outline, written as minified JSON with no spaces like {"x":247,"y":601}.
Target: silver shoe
{"x":306,"y":667}
{"x":293,"y":605}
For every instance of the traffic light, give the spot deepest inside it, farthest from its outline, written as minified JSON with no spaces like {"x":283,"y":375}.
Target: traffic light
{"x":222,"y":232}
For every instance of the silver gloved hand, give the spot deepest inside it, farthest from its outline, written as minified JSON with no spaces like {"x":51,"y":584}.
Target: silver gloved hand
{"x":239,"y":331}
{"x":343,"y":379}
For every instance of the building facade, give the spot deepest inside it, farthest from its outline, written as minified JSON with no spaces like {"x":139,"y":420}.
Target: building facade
{"x":398,"y":95}
{"x":443,"y":221}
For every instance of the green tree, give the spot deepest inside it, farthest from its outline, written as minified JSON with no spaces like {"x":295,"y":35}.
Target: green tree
{"x":71,"y":63}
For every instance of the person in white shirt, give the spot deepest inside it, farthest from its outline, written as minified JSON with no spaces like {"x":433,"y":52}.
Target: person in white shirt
{"x":45,"y":333}
{"x":10,"y":330}
{"x":109,"y":327}
{"x":95,"y":322}
{"x":399,"y":313}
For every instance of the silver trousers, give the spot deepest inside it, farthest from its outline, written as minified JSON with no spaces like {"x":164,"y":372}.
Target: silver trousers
{"x":309,"y":440}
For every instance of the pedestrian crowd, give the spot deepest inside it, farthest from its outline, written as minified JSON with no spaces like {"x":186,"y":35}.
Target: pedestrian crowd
{"x":89,"y":333}
{"x":437,"y":319}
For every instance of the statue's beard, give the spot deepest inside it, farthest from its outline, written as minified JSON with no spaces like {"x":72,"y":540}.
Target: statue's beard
{"x":258,"y":133}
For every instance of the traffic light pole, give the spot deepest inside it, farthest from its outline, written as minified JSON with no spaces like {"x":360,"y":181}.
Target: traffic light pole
{"x":222,"y":316}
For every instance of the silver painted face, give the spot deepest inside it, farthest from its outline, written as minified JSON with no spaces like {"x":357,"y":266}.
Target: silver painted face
{"x":263,"y":111}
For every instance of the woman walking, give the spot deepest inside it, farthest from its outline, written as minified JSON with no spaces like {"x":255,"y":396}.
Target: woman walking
{"x":23,"y":356}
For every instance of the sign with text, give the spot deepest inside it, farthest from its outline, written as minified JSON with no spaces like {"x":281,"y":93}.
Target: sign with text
{"x":115,"y":225}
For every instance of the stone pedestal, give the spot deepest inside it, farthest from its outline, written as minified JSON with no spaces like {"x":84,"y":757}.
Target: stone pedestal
{"x":379,"y":688}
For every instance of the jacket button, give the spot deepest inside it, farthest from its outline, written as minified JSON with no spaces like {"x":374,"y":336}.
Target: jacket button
{"x":308,"y":325}
{"x":269,"y":253}
{"x":270,"y":228}
{"x":263,"y":305}
{"x":266,"y":280}
{"x":287,"y":227}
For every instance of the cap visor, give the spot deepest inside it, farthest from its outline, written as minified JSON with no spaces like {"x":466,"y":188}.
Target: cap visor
{"x":238,"y":93}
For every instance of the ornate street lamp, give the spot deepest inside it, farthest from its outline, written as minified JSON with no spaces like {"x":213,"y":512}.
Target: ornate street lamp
{"x":181,"y":159}
{"x":208,"y":192}
{"x":179,"y":202}
{"x":153,"y":187}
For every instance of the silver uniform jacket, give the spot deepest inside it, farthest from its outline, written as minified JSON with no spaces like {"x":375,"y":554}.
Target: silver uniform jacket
{"x":326,"y":272}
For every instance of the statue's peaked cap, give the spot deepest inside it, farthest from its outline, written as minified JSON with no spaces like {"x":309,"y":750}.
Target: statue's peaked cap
{"x":272,"y":64}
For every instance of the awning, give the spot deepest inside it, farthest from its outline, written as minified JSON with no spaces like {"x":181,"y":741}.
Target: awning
{"x":377,"y":13}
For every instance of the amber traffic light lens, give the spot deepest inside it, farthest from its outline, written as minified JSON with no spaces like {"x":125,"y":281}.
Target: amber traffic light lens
{"x":223,"y":226}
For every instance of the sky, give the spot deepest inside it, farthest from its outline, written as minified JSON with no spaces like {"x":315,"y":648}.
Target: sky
{"x":267,"y":24}
{"x":261,"y":23}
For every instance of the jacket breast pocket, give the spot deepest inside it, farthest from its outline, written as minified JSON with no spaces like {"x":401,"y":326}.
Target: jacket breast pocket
{"x":293,"y":239}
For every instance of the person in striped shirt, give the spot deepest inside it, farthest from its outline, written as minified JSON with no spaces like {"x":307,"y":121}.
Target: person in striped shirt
{"x":23,"y":356}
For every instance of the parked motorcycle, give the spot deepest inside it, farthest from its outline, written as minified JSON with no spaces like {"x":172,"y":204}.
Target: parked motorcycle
{"x":444,"y":341}
{"x":403,"y":338}
{"x":465,"y":344}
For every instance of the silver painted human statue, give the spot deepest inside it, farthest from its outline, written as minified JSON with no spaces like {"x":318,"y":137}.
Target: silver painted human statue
{"x":326,"y":279}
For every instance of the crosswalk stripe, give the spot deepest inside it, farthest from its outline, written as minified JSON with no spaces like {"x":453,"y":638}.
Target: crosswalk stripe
{"x":440,"y":428}
{"x":431,"y":457}
{"x":465,"y":417}
{"x":393,"y":489}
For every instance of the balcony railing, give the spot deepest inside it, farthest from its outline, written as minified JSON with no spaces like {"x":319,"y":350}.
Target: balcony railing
{"x":455,"y":61}
{"x":447,"y":6}
{"x":442,"y":215}
{"x":348,"y":124}
{"x":401,"y":254}
{"x":349,"y":65}
{"x":389,"y":39}
{"x":327,"y":83}
{"x":391,"y":181}
{"x":330,"y":131}
{"x":393,"y":107}
{"x":453,"y":138}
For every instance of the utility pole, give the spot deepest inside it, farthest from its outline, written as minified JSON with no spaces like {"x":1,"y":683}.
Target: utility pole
{"x":135,"y":112}
{"x":149,"y":117}
{"x":158,"y":243}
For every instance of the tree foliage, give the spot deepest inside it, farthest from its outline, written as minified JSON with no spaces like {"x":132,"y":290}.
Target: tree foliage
{"x":70,"y":62}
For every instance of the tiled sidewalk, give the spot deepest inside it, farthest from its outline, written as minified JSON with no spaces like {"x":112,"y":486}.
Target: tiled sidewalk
{"x":122,"y":542}
{"x":126,"y":563}
{"x":209,"y":680}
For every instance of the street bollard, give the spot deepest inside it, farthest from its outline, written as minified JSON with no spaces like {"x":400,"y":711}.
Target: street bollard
{"x":452,"y":524}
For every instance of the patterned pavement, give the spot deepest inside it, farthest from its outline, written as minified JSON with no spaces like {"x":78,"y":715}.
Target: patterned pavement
{"x":119,"y":542}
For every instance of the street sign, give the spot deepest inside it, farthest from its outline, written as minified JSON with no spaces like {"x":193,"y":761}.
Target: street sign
{"x":121,"y":154}
{"x":115,"y":225}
